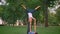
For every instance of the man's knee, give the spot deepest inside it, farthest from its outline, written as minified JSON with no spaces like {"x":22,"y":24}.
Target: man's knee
{"x":34,"y":18}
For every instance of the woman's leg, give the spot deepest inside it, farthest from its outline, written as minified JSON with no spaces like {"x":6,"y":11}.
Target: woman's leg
{"x":30,"y":21}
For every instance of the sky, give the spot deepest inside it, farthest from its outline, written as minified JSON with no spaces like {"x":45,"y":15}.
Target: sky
{"x":53,"y":9}
{"x":3,"y":2}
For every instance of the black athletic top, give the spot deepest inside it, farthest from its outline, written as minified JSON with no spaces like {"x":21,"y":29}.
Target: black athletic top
{"x":30,"y":10}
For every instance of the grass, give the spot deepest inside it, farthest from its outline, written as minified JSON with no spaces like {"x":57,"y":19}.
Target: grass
{"x":23,"y":30}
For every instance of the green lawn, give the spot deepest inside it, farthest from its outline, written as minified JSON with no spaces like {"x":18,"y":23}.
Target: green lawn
{"x":23,"y":30}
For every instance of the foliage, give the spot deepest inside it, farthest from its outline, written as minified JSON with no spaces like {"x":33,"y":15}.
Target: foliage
{"x":58,"y":15}
{"x":52,"y":19}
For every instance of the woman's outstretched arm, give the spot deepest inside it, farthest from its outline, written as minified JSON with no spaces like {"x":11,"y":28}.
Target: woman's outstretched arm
{"x":37,"y":7}
{"x":23,"y":6}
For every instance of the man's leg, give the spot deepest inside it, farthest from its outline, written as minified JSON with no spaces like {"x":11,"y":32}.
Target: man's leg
{"x":34,"y":24}
{"x":28,"y":29}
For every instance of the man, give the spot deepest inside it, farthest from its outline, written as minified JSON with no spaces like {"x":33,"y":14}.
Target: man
{"x":30,"y":16}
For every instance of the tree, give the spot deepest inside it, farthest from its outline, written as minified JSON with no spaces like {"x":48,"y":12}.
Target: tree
{"x":47,"y":4}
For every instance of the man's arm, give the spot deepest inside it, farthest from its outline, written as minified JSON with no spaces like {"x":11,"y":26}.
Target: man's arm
{"x":23,"y":6}
{"x":37,"y":7}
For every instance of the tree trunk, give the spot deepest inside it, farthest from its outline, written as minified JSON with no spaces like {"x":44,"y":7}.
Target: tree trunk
{"x":46,"y":13}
